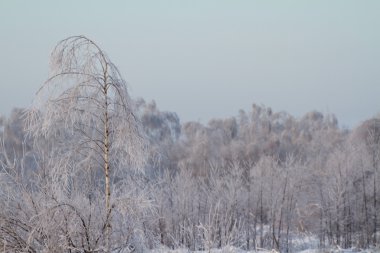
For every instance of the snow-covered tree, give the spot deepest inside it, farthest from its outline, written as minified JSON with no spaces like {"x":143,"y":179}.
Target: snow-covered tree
{"x":89,"y":146}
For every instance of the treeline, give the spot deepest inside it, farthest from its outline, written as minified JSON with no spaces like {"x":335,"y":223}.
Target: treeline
{"x":257,"y":180}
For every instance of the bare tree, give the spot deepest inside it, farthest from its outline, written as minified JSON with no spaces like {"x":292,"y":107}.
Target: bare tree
{"x":85,"y":108}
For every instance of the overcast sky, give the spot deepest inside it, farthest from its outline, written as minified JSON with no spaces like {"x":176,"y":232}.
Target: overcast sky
{"x":205,"y":59}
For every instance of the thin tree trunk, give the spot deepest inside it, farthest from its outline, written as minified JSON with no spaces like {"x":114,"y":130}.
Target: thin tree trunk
{"x":321,"y":222}
{"x":282,"y":210}
{"x":261,"y":216}
{"x":374,"y":207}
{"x":289,"y":219}
{"x":255,"y":234}
{"x":365,"y":210}
{"x":107,"y":167}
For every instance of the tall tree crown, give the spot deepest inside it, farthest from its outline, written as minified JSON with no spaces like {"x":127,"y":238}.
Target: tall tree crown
{"x":84,"y":102}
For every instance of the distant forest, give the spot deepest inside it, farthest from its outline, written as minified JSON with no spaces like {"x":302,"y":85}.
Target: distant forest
{"x":254,"y":180}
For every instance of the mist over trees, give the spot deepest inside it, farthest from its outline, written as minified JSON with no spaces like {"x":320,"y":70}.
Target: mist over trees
{"x":260,"y":179}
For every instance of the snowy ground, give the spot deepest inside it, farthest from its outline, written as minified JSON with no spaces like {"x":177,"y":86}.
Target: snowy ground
{"x":307,"y":243}
{"x":235,"y":250}
{"x":224,"y":250}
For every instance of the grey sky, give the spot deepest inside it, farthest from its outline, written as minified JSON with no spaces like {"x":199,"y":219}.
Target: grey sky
{"x":205,"y":59}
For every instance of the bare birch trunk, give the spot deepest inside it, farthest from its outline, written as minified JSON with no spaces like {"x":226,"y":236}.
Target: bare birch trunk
{"x":107,"y":167}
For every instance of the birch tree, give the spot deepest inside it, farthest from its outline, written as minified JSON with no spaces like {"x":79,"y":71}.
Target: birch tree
{"x":85,"y":110}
